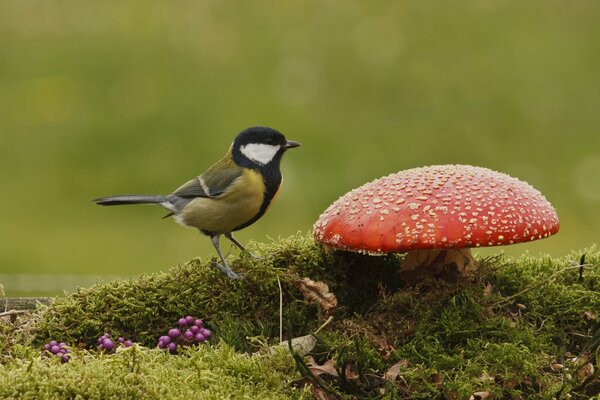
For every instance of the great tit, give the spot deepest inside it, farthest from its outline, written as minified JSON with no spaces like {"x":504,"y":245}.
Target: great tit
{"x":231,"y":194}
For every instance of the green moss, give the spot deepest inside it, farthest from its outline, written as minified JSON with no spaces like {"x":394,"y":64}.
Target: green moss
{"x":144,"y":308}
{"x":499,"y":331}
{"x":461,"y":338}
{"x":206,"y":372}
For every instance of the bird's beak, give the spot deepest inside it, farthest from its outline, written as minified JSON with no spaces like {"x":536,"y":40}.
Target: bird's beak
{"x":291,"y":144}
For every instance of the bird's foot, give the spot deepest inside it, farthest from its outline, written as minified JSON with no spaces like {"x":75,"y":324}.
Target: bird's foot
{"x":226,"y":270}
{"x":254,"y":256}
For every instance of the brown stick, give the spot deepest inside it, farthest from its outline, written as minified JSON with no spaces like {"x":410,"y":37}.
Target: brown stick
{"x":21,"y":303}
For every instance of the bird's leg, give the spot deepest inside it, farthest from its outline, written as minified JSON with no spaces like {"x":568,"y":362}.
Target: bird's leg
{"x":239,"y":245}
{"x":222,"y":267}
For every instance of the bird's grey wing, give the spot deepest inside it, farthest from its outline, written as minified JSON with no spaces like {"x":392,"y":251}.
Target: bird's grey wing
{"x":192,"y":188}
{"x":213,"y":183}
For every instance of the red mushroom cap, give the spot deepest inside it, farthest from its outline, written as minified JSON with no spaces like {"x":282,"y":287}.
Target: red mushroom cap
{"x":441,"y":206}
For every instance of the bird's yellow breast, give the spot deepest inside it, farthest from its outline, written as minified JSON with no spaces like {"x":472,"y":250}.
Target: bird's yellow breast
{"x":237,"y":205}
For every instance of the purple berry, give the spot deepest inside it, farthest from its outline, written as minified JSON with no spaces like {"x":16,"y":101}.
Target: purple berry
{"x":172,"y":347}
{"x":64,"y":358}
{"x":47,"y":347}
{"x":198,"y":323}
{"x":189,"y":335}
{"x":53,"y":343}
{"x":174,"y":333}
{"x":108,"y":344}
{"x":206,"y":333}
{"x":128,"y":343}
{"x":121,"y":340}
{"x":54,"y":349}
{"x":182,"y":322}
{"x":161,"y":344}
{"x":189,"y":319}
{"x":165,"y":339}
{"x":62,"y":344}
{"x":195,"y":330}
{"x":200,"y":338}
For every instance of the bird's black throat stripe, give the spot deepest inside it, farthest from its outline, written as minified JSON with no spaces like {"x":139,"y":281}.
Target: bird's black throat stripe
{"x":271,"y":175}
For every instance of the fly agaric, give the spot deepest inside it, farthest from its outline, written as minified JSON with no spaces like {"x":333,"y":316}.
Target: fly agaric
{"x":437,"y":214}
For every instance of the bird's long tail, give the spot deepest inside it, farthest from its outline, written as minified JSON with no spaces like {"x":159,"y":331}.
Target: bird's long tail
{"x":130,"y":199}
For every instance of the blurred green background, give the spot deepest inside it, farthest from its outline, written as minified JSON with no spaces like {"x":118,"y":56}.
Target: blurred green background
{"x":109,"y":97}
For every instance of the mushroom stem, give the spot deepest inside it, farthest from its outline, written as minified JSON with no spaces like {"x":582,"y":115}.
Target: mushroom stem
{"x":438,"y":262}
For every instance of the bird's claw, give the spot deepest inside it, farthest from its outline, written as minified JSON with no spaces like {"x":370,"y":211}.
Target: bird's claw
{"x":226,"y":270}
{"x":254,"y":256}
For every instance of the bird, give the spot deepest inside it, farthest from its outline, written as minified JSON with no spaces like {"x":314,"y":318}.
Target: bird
{"x":230,"y":195}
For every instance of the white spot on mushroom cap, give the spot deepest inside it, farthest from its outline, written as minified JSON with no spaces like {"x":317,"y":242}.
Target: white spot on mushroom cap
{"x":480,"y":207}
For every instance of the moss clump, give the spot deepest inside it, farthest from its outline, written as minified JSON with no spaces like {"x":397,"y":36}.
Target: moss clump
{"x":500,"y":331}
{"x":136,"y":373}
{"x":144,"y":308}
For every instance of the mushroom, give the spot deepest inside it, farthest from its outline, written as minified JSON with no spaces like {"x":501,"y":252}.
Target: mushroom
{"x":437,"y":214}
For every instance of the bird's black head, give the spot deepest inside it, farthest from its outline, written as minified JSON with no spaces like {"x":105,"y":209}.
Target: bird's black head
{"x":260,"y":146}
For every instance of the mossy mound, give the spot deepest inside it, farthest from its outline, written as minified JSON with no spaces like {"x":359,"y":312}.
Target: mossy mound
{"x":522,"y":329}
{"x":144,"y":308}
{"x":525,"y":328}
{"x":211,"y":373}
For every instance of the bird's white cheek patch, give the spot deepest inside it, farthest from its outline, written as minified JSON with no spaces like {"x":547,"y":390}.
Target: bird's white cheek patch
{"x":259,"y":152}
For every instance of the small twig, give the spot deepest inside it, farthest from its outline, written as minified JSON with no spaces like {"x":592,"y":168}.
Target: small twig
{"x":10,"y":313}
{"x":280,"y":310}
{"x":324,"y":325}
{"x":22,"y":303}
{"x":579,"y":334}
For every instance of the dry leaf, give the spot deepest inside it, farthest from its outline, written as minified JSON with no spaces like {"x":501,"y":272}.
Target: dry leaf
{"x":485,"y":377}
{"x":350,"y":375}
{"x":487,"y":289}
{"x":484,"y":395}
{"x":317,"y":293}
{"x":392,"y":373}
{"x":327,"y":368}
{"x":451,"y":395}
{"x":510,"y":384}
{"x":585,"y":372}
{"x":582,"y":359}
{"x":556,"y":366}
{"x":320,"y":394}
{"x":588,"y":315}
